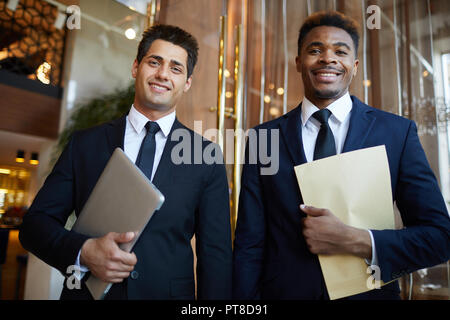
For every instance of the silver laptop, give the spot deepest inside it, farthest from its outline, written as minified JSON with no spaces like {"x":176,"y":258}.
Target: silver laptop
{"x":123,"y":200}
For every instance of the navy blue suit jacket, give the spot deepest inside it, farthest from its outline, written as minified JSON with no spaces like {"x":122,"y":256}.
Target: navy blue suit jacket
{"x":271,"y":259}
{"x":196,"y":202}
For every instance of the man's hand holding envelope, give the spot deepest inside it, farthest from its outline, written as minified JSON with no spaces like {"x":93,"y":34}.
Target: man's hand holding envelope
{"x":326,"y":234}
{"x":345,"y":195}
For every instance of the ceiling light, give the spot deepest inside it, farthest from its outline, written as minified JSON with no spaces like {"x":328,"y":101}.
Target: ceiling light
{"x":43,"y":72}
{"x":20,"y":156}
{"x":5,"y":171}
{"x":130,"y":33}
{"x":34,"y":160}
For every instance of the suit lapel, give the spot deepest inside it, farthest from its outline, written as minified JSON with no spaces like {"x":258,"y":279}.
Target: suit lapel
{"x":115,"y":132}
{"x":361,"y":122}
{"x":291,"y":131}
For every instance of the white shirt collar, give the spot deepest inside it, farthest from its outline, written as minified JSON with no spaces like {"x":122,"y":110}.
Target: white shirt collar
{"x":339,"y":108}
{"x":138,"y":121}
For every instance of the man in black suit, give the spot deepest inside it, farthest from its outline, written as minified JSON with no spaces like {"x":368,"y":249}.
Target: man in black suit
{"x":277,"y":238}
{"x":196,"y":194}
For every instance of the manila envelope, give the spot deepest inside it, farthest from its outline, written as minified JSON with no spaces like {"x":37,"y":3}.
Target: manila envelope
{"x":356,"y":187}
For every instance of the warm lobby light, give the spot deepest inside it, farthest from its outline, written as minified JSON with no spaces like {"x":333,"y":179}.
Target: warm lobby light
{"x":274,"y":112}
{"x":43,"y":72}
{"x":5,"y":171}
{"x":280,"y":91}
{"x":20,"y":158}
{"x":34,"y":158}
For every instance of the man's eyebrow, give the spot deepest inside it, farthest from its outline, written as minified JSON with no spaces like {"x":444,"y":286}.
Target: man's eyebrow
{"x":315,"y":44}
{"x":342,"y":44}
{"x":320,"y":44}
{"x":159,"y":58}
{"x":175,"y":62}
{"x":154,"y":56}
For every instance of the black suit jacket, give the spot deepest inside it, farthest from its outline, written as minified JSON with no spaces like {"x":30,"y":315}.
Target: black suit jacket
{"x":271,"y":259}
{"x":196,"y":202}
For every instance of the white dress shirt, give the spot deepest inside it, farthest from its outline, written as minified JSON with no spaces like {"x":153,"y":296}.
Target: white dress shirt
{"x":339,"y":122}
{"x":134,"y":135}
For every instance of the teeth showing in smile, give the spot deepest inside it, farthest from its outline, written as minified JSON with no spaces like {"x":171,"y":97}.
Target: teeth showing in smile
{"x":327,"y":74}
{"x":158,"y":87}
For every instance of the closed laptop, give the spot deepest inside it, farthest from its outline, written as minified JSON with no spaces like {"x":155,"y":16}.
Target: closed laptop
{"x":123,"y":200}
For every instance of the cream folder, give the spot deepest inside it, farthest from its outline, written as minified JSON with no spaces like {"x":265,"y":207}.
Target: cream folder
{"x":356,"y":187}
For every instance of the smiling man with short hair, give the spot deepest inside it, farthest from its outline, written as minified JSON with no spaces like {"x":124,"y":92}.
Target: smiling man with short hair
{"x":278,"y":238}
{"x":161,"y":265}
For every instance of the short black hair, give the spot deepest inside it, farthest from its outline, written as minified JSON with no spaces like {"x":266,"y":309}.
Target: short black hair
{"x":332,"y":19}
{"x":171,"y":34}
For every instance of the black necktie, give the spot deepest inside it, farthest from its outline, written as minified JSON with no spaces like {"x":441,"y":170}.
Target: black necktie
{"x":147,"y":151}
{"x":325,"y":145}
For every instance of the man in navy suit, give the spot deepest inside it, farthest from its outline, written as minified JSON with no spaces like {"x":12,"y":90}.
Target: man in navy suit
{"x":196,"y":194}
{"x":278,"y":238}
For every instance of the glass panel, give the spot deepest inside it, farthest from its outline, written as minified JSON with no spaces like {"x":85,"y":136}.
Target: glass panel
{"x":404,"y":77}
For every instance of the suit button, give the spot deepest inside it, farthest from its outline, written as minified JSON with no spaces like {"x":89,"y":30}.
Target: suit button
{"x":134,"y":275}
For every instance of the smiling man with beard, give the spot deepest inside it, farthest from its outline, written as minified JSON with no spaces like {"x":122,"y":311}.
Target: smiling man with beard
{"x":278,"y":238}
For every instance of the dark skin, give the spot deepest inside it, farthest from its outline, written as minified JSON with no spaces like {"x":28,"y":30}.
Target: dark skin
{"x":327,"y":63}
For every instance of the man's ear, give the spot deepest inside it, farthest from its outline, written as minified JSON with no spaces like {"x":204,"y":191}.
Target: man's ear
{"x":187,"y":85}
{"x":134,"y":68}
{"x":355,"y":69}
{"x":298,"y":63}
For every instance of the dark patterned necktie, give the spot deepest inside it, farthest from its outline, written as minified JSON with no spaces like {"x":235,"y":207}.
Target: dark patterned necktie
{"x":325,"y":145}
{"x":146,"y":155}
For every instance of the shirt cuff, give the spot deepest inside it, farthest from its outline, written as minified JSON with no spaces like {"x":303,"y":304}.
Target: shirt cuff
{"x":374,"y":261}
{"x":82,"y":269}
